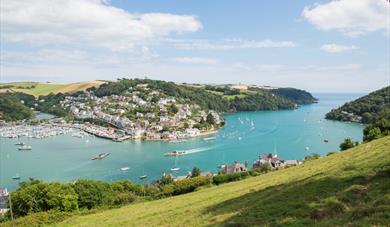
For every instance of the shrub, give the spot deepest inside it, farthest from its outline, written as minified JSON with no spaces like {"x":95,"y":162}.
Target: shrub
{"x":123,"y":198}
{"x":347,"y":144}
{"x":92,"y":193}
{"x":195,"y":172}
{"x":224,"y":178}
{"x":36,"y":196}
{"x":186,"y":185}
{"x":254,"y":172}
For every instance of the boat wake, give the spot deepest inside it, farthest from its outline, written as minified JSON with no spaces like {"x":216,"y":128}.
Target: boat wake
{"x":196,"y":150}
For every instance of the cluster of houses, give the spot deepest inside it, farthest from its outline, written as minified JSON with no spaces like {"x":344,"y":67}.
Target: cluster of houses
{"x":352,"y":116}
{"x":271,"y":159}
{"x":148,"y":110}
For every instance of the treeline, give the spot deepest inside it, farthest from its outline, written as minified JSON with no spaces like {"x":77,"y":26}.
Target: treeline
{"x":11,"y":109}
{"x":296,"y":95}
{"x":17,"y":105}
{"x":54,"y":200}
{"x":370,"y":108}
{"x":259,"y":100}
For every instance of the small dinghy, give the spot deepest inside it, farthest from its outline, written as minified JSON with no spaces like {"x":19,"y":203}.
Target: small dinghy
{"x":125,"y":168}
{"x":175,"y":169}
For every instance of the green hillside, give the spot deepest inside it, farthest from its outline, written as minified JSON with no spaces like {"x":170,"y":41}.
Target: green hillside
{"x":346,"y":188}
{"x":367,"y":109}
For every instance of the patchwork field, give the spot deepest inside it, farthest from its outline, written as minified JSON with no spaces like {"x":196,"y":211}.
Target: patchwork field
{"x":45,"y":88}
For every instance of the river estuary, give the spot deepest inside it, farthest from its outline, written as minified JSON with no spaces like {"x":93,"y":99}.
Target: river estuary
{"x":293,"y":134}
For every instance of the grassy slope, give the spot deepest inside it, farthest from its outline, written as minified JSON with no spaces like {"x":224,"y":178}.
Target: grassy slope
{"x":298,"y":195}
{"x":47,"y":88}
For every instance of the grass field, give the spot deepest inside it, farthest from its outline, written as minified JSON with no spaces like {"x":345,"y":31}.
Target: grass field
{"x":346,"y":188}
{"x":42,"y":88}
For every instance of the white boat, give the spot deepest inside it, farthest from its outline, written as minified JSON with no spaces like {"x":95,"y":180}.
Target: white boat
{"x":143,"y":177}
{"x":20,"y":143}
{"x":25,"y":148}
{"x":16,"y":177}
{"x":175,"y":169}
{"x":125,"y":168}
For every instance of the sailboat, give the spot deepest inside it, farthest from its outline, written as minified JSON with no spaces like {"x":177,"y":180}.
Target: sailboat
{"x":175,"y":168}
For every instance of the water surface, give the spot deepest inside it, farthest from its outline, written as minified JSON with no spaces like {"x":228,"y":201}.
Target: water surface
{"x":293,"y":134}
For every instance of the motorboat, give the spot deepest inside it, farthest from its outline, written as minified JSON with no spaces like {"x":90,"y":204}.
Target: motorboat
{"x":16,"y":177}
{"x":143,"y":177}
{"x":25,"y":148}
{"x":175,"y":153}
{"x":101,"y":156}
{"x":175,"y":169}
{"x":125,"y":168}
{"x":20,"y":143}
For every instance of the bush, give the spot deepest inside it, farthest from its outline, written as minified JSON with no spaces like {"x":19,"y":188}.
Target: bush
{"x":92,"y":193}
{"x":254,"y":172}
{"x":195,"y":172}
{"x":36,"y":196}
{"x":224,"y":178}
{"x":186,"y":185}
{"x":347,"y":144}
{"x":123,"y":198}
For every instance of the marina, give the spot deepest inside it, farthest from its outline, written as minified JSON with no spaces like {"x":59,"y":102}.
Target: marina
{"x":67,"y":158}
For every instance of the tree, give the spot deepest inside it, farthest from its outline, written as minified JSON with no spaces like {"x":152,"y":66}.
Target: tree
{"x":172,"y":109}
{"x":92,"y":193}
{"x":165,"y":179}
{"x":195,"y":172}
{"x":348,"y":143}
{"x":210,"y":119}
{"x":265,"y":168}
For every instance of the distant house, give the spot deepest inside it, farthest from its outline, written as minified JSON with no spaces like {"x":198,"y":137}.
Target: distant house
{"x":3,"y":200}
{"x":271,"y":159}
{"x":234,"y":168}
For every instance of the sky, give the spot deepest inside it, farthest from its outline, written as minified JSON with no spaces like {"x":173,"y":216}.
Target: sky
{"x":319,"y":46}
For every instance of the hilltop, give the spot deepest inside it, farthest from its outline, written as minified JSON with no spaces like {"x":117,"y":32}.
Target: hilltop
{"x":367,"y":109}
{"x":344,"y":188}
{"x":45,"y":88}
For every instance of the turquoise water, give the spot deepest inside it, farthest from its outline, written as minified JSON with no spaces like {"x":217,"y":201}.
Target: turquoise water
{"x":289,"y":132}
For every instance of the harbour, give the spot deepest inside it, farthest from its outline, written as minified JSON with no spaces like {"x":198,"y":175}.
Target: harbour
{"x":64,"y":157}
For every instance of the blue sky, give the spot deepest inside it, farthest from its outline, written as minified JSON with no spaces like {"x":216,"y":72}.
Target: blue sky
{"x":320,"y":46}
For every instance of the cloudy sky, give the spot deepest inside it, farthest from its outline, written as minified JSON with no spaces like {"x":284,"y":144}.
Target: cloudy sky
{"x":320,"y":46}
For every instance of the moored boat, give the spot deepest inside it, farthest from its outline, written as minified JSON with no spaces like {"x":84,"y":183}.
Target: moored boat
{"x":175,"y":169}
{"x":125,"y":168}
{"x":25,"y":148}
{"x":143,"y":177}
{"x":20,"y":143}
{"x":16,"y":177}
{"x":101,"y":156}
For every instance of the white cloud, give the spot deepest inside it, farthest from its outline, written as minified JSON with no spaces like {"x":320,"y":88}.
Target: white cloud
{"x":86,"y":22}
{"x":335,"y":48}
{"x":196,"y":60}
{"x":350,"y":17}
{"x":229,"y":44}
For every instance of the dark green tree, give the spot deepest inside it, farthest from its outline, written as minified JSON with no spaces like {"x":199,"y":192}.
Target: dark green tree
{"x":348,"y":143}
{"x":195,"y":172}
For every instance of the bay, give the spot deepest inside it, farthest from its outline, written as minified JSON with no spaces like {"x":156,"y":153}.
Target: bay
{"x":292,"y":134}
